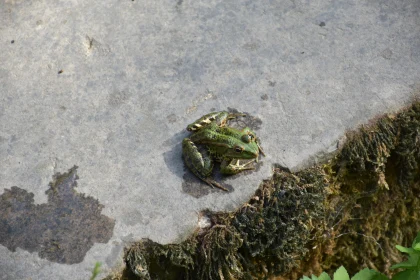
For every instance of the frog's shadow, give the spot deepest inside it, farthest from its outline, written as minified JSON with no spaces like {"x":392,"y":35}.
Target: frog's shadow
{"x":191,"y":184}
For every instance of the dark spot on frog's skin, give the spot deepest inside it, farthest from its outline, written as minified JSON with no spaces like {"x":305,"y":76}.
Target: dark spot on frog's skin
{"x":62,"y":230}
{"x":322,"y":24}
{"x":264,"y":97}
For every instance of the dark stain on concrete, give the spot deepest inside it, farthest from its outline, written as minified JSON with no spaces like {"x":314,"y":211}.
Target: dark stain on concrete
{"x":172,"y":118}
{"x":117,"y":98}
{"x":387,"y":54}
{"x":62,"y":230}
{"x":272,"y":83}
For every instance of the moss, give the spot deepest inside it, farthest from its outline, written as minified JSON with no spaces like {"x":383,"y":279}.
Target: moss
{"x":266,"y":236}
{"x":350,"y":211}
{"x":374,"y":202}
{"x":392,"y":137}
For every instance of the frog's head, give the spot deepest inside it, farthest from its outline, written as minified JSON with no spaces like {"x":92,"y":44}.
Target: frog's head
{"x":242,"y":150}
{"x":245,"y":146}
{"x":251,"y":149}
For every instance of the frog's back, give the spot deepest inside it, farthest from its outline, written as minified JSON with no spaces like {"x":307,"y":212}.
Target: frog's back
{"x":216,"y":135}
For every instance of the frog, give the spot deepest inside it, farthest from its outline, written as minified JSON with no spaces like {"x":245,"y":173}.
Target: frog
{"x":213,"y":140}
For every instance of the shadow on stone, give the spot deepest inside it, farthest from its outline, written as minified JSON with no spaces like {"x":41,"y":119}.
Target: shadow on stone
{"x":254,"y":123}
{"x":173,"y":157}
{"x":195,"y":187}
{"x":62,"y":230}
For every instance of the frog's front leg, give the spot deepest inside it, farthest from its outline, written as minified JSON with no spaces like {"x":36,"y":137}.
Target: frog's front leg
{"x":233,"y":167}
{"x":220,"y":118}
{"x":199,"y":162}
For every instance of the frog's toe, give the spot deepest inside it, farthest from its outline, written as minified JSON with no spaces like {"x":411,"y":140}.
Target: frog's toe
{"x":235,"y":168}
{"x":213,"y":184}
{"x":246,"y":168}
{"x":243,"y":166}
{"x":237,"y":115}
{"x":260,"y":149}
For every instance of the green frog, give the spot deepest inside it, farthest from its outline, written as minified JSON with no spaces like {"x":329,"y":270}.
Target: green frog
{"x":224,"y":144}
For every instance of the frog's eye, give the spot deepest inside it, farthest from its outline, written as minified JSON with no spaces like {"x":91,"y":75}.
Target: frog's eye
{"x":238,"y":149}
{"x":246,"y":138}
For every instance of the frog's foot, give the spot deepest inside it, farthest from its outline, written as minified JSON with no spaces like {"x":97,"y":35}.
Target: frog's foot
{"x":235,"y":168}
{"x":212,"y":183}
{"x":260,"y":149}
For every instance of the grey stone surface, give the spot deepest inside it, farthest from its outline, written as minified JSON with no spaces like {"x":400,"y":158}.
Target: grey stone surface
{"x":110,"y":85}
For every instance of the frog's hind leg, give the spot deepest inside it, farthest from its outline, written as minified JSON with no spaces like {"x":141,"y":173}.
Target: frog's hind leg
{"x":220,"y":118}
{"x":199,"y":162}
{"x":204,"y":121}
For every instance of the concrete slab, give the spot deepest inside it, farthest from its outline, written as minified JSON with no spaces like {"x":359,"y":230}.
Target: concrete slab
{"x":110,"y":86}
